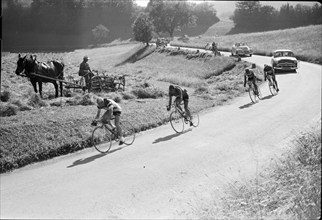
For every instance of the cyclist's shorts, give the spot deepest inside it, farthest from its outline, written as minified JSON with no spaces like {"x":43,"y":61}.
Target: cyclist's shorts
{"x":117,"y":113}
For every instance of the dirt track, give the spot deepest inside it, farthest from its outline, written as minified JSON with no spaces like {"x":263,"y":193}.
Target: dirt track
{"x":164,"y":175}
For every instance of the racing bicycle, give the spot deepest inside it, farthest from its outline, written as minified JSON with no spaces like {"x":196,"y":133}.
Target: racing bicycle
{"x":103,"y":135}
{"x":272,"y":85}
{"x":178,"y":119}
{"x":253,"y":94}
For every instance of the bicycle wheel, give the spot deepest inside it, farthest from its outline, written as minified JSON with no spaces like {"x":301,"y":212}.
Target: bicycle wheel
{"x":128,"y":132}
{"x":195,"y":119}
{"x":176,"y":121}
{"x":101,"y":139}
{"x":272,"y":88}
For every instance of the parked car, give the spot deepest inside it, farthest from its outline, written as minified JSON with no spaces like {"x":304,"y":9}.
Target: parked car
{"x":241,"y":49}
{"x":284,"y":60}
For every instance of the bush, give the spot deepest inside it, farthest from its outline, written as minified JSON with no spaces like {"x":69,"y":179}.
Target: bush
{"x":8,"y":110}
{"x":5,"y":96}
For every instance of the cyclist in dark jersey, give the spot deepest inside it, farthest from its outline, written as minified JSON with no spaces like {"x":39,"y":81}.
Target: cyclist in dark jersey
{"x":250,"y":76}
{"x":181,"y":95}
{"x":269,"y":70}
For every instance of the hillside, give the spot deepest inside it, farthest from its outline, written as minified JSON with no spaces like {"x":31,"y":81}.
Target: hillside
{"x":219,"y":29}
{"x":304,"y":41}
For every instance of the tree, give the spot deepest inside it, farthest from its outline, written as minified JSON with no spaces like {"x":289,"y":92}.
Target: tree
{"x":247,"y":15}
{"x":100,"y":33}
{"x":170,"y":15}
{"x":143,"y":28}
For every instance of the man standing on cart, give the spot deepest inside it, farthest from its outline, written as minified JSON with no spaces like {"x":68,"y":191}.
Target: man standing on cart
{"x":86,"y":72}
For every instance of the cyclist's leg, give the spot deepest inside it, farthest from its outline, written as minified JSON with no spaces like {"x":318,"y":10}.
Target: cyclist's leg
{"x":117,"y":116}
{"x":255,"y":85}
{"x":186,"y":104}
{"x":274,"y":79}
{"x":106,"y":117}
{"x":188,"y":113}
{"x":177,"y":102}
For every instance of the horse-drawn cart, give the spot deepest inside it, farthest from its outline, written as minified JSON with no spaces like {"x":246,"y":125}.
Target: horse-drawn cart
{"x":98,"y":82}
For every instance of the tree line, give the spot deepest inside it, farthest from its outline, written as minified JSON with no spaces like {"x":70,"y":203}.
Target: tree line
{"x":251,"y":16}
{"x":97,"y":20}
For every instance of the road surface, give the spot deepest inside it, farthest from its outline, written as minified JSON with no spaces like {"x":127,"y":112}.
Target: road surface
{"x":163,"y":174}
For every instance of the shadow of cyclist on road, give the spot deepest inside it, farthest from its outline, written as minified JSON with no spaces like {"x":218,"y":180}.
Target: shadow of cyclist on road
{"x":246,"y":105}
{"x":92,"y":158}
{"x":169,"y":137}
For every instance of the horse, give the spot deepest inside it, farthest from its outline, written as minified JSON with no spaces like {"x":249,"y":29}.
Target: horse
{"x":52,"y":69}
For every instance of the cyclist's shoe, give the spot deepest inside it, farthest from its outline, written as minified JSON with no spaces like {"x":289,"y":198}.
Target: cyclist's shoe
{"x":121,"y":141}
{"x":191,"y":124}
{"x":277,"y":89}
{"x":94,"y":123}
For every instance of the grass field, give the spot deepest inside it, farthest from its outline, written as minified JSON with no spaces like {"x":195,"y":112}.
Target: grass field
{"x":40,"y":129}
{"x":304,"y":41}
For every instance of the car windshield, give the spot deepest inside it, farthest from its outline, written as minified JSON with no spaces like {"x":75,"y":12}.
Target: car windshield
{"x":284,"y":54}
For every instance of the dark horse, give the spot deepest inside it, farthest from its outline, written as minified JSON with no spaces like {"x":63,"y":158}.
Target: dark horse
{"x":52,"y":69}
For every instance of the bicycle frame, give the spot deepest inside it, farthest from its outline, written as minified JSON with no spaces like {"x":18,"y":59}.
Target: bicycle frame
{"x":181,"y":112}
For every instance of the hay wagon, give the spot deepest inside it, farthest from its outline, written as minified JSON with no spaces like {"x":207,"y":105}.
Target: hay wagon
{"x":99,"y":83}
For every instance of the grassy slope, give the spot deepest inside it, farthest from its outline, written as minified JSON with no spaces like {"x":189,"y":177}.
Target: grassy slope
{"x":219,"y":29}
{"x":304,"y":41}
{"x":49,"y":131}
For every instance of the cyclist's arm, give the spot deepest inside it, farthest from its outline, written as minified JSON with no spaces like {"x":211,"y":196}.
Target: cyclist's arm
{"x":98,"y":114}
{"x":244,"y":80}
{"x":170,"y":99}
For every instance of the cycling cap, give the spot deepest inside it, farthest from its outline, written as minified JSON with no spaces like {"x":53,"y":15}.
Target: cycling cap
{"x":85,"y":58}
{"x":253,"y":65}
{"x":247,"y":71}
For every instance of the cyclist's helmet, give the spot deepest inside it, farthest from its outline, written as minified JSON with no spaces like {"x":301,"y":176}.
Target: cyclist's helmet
{"x":247,"y":71}
{"x":85,"y":58}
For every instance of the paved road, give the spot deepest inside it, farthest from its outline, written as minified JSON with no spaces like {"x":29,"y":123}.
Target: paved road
{"x":164,"y":175}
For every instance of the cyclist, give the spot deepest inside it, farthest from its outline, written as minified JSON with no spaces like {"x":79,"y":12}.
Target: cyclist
{"x":269,"y":70}
{"x":86,"y":72}
{"x":111,"y":107}
{"x":249,"y":75}
{"x":181,"y":95}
